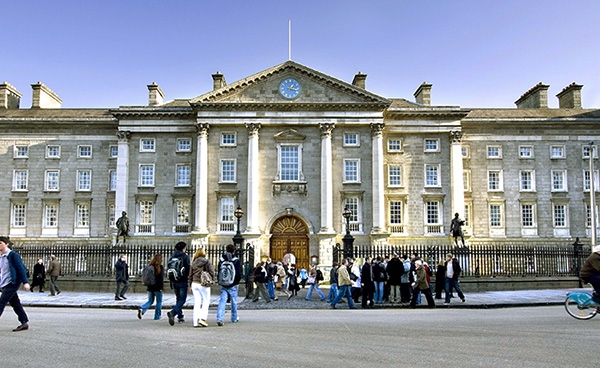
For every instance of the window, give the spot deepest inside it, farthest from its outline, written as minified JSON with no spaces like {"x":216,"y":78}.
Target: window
{"x":559,"y":215}
{"x":396,"y":217}
{"x":20,"y":180}
{"x":527,"y":180}
{"x":228,"y":171}
{"x":495,"y":180}
{"x":351,"y":140}
{"x":21,"y":151}
{"x":527,"y":215}
{"x":353,"y":204}
{"x":586,"y":152}
{"x":18,"y":215}
{"x":84,"y":151}
{"x":182,"y":216}
{"x":395,"y":176}
{"x":184,"y":145}
{"x":183,"y":175}
{"x":52,"y":180}
{"x":84,"y":180}
{"x":432,"y":145}
{"x":588,"y":222}
{"x":111,"y":215}
{"x":586,"y":180}
{"x":52,"y":151}
{"x":146,"y":216}
{"x":494,"y":152}
{"x":432,"y":176}
{"x":467,"y":215}
{"x":495,"y":215}
{"x":50,"y":215}
{"x":467,"y":180}
{"x":112,"y":180}
{"x":228,"y":139}
{"x":559,"y":180}
{"x":226,"y":222}
{"x":146,"y":175}
{"x":433,"y":217}
{"x":113,"y":151}
{"x":289,"y":163}
{"x":82,"y":215}
{"x":394,"y":145}
{"x":351,"y":171}
{"x":557,"y":152}
{"x":147,"y":145}
{"x":526,"y":151}
{"x":465,"y":151}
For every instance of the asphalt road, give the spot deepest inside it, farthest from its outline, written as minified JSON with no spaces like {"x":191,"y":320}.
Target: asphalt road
{"x":514,"y":337}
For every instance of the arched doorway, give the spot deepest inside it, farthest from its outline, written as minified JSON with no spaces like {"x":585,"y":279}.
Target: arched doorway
{"x":289,"y":235}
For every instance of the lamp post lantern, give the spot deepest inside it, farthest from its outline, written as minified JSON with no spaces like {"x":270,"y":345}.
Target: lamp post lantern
{"x":348,"y":239}
{"x":238,"y":240}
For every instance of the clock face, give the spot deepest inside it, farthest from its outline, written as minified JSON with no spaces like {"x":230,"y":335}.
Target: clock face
{"x":290,"y":88}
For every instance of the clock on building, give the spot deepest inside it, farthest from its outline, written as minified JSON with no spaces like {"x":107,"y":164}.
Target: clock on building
{"x":290,"y":88}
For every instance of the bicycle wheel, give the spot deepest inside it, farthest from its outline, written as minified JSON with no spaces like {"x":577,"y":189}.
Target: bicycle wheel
{"x":579,"y":312}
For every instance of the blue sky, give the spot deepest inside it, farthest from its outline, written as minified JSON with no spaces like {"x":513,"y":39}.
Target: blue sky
{"x":476,"y":53}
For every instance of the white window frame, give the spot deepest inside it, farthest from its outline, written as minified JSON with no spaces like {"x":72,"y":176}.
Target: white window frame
{"x":563,"y":174}
{"x":21,"y":151}
{"x":112,"y":180}
{"x":522,"y":154}
{"x":565,"y":215}
{"x":81,"y":185}
{"x":467,"y":180}
{"x":20,"y":180}
{"x":18,"y":215}
{"x":110,"y":218}
{"x":531,"y":178}
{"x":394,"y":145}
{"x":82,"y":218}
{"x":146,"y":209}
{"x":348,"y":142}
{"x":563,"y":152}
{"x":354,"y":204}
{"x":500,"y":182}
{"x":492,"y":220}
{"x":490,"y":152}
{"x":113,"y":151}
{"x":299,"y":174}
{"x":437,"y":179}
{"x":50,"y":149}
{"x":52,"y":184}
{"x":530,"y":207}
{"x":147,"y":144}
{"x":143,"y":178}
{"x":225,"y":142}
{"x":427,"y":149}
{"x":465,"y":151}
{"x":349,"y":176}
{"x":222,"y":172}
{"x":433,"y":220}
{"x":586,"y":180}
{"x":184,"y":145}
{"x":585,"y":152}
{"x":183,"y":211}
{"x":396,"y":216}
{"x":82,"y":151}
{"x":50,"y":215}
{"x":395,"y":178}
{"x":180,"y":179}
{"x":226,"y":219}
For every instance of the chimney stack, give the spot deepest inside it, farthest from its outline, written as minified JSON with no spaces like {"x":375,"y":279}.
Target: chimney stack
{"x":218,"y":81}
{"x":535,"y":98}
{"x":10,"y":98}
{"x":359,"y":80}
{"x":44,"y":97}
{"x":156,"y":95}
{"x":423,"y":94}
{"x":570,"y":97}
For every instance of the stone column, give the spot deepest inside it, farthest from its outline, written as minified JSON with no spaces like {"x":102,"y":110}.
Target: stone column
{"x":122,"y":190}
{"x":378,"y":178}
{"x":456,"y":174}
{"x":201,"y":218}
{"x":326,"y":179}
{"x":253,"y":179}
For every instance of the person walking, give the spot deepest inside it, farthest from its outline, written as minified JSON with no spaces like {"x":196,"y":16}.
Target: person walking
{"x":281,"y":281}
{"x":333,"y":283}
{"x":12,"y":274}
{"x":271,"y":272}
{"x":228,"y":288}
{"x":39,"y":275}
{"x":303,"y":277}
{"x":122,"y":277}
{"x":452,"y":272}
{"x":367,"y":284}
{"x":421,"y":285}
{"x":345,"y":284}
{"x":313,"y":282}
{"x":260,"y":279}
{"x":155,"y":291}
{"x":200,"y":265}
{"x":179,"y":281}
{"x":292,"y":277}
{"x":54,"y":272}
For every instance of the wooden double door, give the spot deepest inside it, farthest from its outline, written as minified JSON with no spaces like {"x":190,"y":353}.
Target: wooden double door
{"x":289,"y":235}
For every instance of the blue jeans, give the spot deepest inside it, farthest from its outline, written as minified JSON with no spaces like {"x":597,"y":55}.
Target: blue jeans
{"x":333,"y":291}
{"x":452,"y":283}
{"x":312,"y":287}
{"x":379,"y":289}
{"x":151,"y":295}
{"x":232,"y":292}
{"x":344,"y":292}
{"x":180,"y":289}
{"x":271,"y":289}
{"x":10,"y":296}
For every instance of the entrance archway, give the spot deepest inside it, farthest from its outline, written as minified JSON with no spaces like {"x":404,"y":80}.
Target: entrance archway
{"x":289,"y":234}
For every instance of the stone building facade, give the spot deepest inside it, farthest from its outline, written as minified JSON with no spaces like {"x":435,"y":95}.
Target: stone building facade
{"x":293,"y":148}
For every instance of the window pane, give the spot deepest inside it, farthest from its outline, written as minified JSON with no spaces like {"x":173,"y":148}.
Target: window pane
{"x":228,"y":170}
{"x":50,"y":215}
{"x":83,"y":215}
{"x":395,"y":175}
{"x":350,"y":170}
{"x":184,"y":145}
{"x":84,"y":180}
{"x":495,"y":215}
{"x":183,"y":212}
{"x":146,"y":209}
{"x":289,"y":163}
{"x":560,"y":215}
{"x":52,"y":180}
{"x":431,"y":175}
{"x":395,"y":213}
{"x":18,"y":215}
{"x":394,"y":145}
{"x":352,"y":205}
{"x":183,"y":175}
{"x":146,"y":175}
{"x":226,"y":210}
{"x":527,"y":215}
{"x":432,"y":213}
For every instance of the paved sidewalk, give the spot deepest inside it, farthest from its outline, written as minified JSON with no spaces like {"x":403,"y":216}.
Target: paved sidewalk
{"x":492,"y":299}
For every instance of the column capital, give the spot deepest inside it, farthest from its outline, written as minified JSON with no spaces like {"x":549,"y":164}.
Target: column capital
{"x":456,"y":136}
{"x":326,"y":129}
{"x":123,"y":136}
{"x":253,"y":128}
{"x":202,"y":129}
{"x":377,"y":129}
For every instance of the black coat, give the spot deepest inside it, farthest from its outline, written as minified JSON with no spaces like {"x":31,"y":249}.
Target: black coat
{"x":365,"y":275}
{"x":39,"y":274}
{"x":395,"y":270}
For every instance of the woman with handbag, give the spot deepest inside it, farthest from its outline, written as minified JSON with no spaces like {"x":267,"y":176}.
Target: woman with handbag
{"x":202,"y":274}
{"x":313,"y":282}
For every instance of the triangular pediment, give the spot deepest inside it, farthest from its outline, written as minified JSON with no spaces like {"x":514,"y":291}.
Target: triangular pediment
{"x":289,"y":135}
{"x":316,"y":89}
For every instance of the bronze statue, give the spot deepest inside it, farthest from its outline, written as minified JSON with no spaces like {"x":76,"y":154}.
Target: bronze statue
{"x":456,"y":229}
{"x":123,"y":226}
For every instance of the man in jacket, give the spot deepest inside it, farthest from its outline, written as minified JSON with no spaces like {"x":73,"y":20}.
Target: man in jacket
{"x":229,"y":291}
{"x":395,"y":270}
{"x":367,"y":284}
{"x":122,"y":277}
{"x":452,"y":273}
{"x":12,"y":275}
{"x":333,"y":282}
{"x":421,"y":286}
{"x":180,"y":286}
{"x":344,"y":284}
{"x":54,"y":271}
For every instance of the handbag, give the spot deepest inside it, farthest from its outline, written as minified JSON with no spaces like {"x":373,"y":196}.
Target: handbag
{"x":310,"y":280}
{"x":206,"y":279}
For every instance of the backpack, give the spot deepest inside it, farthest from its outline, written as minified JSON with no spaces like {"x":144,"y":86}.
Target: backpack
{"x":320,"y":276}
{"x":226,"y":277}
{"x":148,"y":276}
{"x":175,"y":269}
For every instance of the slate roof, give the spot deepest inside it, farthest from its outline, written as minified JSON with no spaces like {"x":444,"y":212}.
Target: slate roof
{"x":537,"y":113}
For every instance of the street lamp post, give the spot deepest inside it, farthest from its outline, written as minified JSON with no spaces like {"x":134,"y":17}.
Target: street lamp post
{"x":238,"y":240}
{"x":592,"y":196}
{"x":348,"y":239}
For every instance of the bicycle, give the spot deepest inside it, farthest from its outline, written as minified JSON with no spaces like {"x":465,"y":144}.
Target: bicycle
{"x":581,"y":305}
